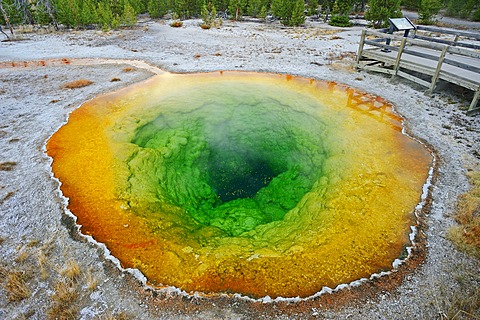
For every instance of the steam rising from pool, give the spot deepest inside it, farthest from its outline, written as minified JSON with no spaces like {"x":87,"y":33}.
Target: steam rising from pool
{"x":245,"y":183}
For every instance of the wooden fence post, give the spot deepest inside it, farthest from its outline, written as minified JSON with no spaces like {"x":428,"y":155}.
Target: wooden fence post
{"x":472,"y":109}
{"x":360,"y":47}
{"x":437,"y":71}
{"x":399,"y":57}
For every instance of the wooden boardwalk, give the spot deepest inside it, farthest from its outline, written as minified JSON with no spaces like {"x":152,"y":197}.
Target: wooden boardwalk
{"x":425,"y":60}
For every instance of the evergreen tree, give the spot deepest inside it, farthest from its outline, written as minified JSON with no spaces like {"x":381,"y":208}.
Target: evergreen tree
{"x":476,"y":15}
{"x":40,"y":13}
{"x":344,"y":7}
{"x":236,"y":8}
{"x":253,"y":7}
{"x":116,"y":21}
{"x":290,"y":12}
{"x":105,"y":15}
{"x":88,"y":14}
{"x":157,"y":8}
{"x":68,"y":12}
{"x":209,"y":16}
{"x":462,"y":8}
{"x":411,"y":4}
{"x":380,"y":10}
{"x":221,"y":5}
{"x":280,"y":9}
{"x":139,"y":6}
{"x":263,"y":13}
{"x":128,"y":18}
{"x":298,"y":14}
{"x":340,"y":11}
{"x":428,"y":10}
{"x":312,"y":7}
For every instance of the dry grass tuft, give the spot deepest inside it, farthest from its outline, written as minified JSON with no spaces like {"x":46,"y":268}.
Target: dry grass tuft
{"x":128,"y":69}
{"x":176,"y":24}
{"x":63,"y":304}
{"x":77,"y":84}
{"x":22,"y":256}
{"x":118,"y":316}
{"x":7,"y":196}
{"x":465,"y":302}
{"x":15,"y":285}
{"x":92,"y":281}
{"x":7,"y":166}
{"x":42,"y":263}
{"x":71,"y":270}
{"x":466,"y":235}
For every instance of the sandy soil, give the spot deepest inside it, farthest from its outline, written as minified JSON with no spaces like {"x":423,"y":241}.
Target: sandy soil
{"x":38,"y":241}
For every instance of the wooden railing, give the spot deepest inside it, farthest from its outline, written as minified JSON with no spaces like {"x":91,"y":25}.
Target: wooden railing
{"x":419,"y":57}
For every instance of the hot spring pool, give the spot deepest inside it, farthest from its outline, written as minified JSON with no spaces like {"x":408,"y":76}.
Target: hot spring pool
{"x":236,"y":182}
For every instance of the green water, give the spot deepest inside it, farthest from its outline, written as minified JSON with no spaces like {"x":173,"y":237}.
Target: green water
{"x":233,"y":160}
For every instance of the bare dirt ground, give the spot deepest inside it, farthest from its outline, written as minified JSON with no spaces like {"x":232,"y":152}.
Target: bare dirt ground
{"x":47,"y":270}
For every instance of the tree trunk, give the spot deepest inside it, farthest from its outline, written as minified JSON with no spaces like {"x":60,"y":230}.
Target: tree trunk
{"x":6,"y":19}
{"x":50,"y":10}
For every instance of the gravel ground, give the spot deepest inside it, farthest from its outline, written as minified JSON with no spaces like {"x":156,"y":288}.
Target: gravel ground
{"x":62,"y":271}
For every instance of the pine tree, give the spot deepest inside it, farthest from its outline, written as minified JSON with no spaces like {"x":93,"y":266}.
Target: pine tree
{"x":205,"y":14}
{"x":380,"y":10}
{"x":128,"y":18}
{"x":411,"y":4}
{"x":254,"y":7}
{"x":312,"y":7}
{"x":290,"y":12}
{"x":40,"y":14}
{"x":298,"y":14}
{"x":116,"y":21}
{"x":236,"y":8}
{"x":88,"y":14}
{"x":340,"y":11}
{"x":263,"y":13}
{"x":68,"y":12}
{"x":279,"y":9}
{"x":476,"y":15}
{"x":157,"y":8}
{"x":428,"y":10}
{"x":105,"y":15}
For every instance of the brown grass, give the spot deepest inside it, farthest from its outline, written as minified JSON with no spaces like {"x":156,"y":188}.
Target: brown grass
{"x":128,"y":69}
{"x":92,"y":281}
{"x":71,"y":270}
{"x":22,"y":256}
{"x":7,"y":166}
{"x":116,"y":316}
{"x":176,"y":24}
{"x":63,"y":304}
{"x":7,"y":196}
{"x":15,"y":284}
{"x":77,"y":84}
{"x":466,"y":235}
{"x":65,"y":300}
{"x":42,"y":264}
{"x":464,"y":302}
